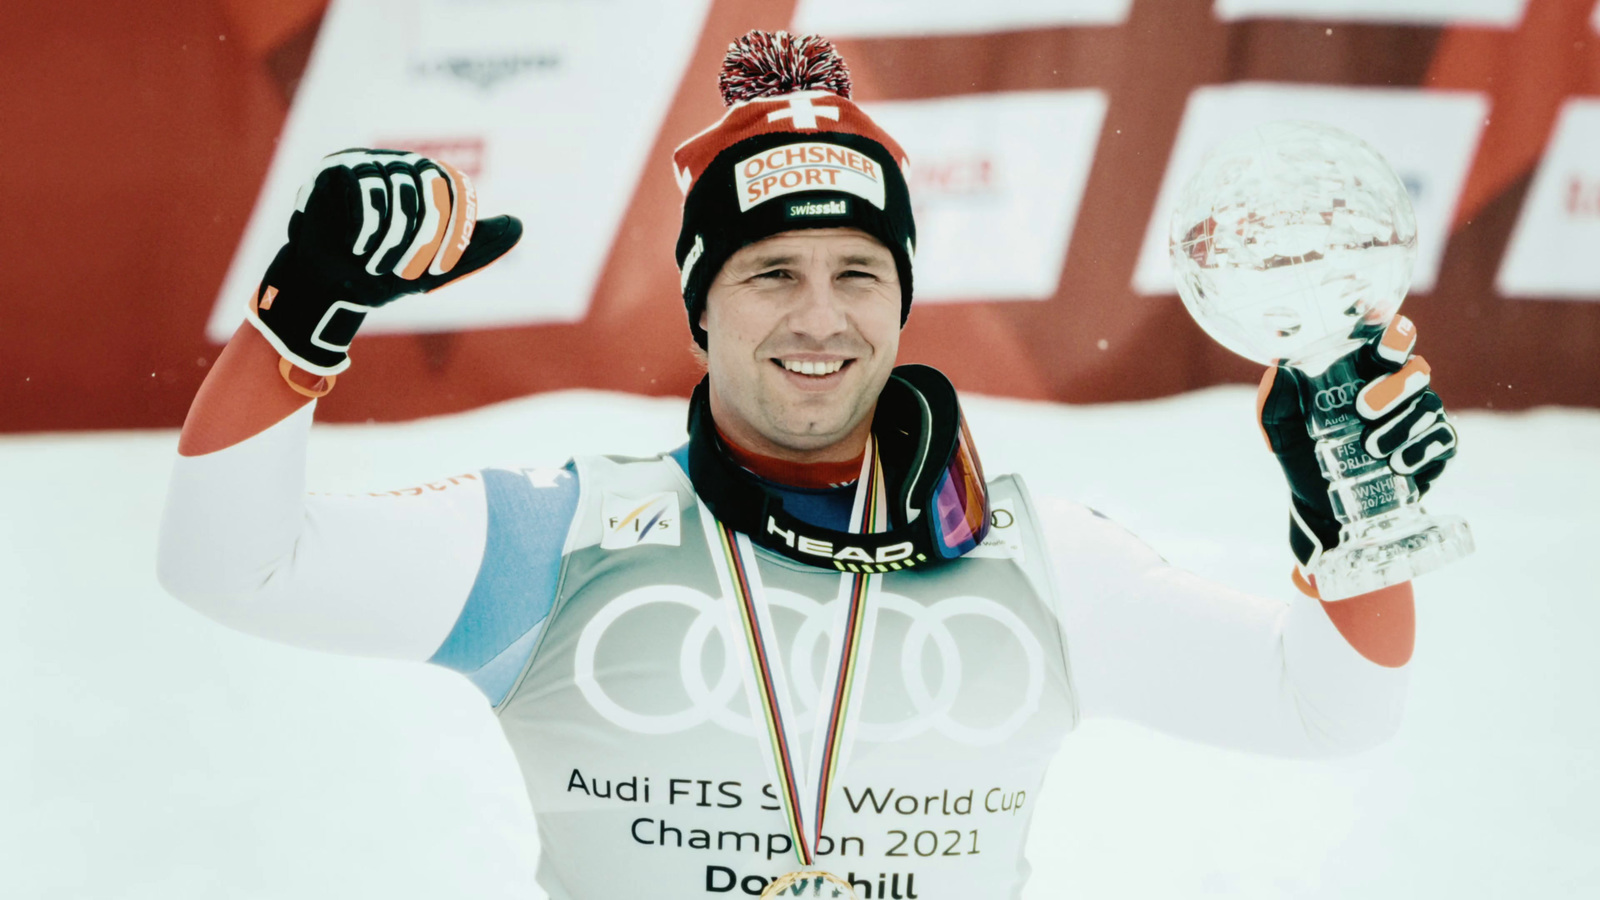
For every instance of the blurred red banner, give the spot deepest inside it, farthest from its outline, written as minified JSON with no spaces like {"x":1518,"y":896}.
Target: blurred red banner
{"x":139,"y":140}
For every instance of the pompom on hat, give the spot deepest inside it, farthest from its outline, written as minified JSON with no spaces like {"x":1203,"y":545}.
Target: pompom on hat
{"x":792,"y":151}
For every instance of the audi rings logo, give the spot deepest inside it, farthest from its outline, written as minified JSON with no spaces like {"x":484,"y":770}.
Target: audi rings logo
{"x":1330,"y":399}
{"x":932,"y":703}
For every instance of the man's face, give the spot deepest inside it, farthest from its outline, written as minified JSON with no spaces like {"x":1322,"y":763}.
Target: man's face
{"x":803,"y":329}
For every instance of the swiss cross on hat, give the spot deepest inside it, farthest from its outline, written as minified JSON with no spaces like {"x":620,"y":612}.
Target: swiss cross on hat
{"x":792,"y":151}
{"x":789,"y":114}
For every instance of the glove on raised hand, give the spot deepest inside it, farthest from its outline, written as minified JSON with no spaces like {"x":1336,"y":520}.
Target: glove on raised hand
{"x":1402,"y":420}
{"x":371,"y":226}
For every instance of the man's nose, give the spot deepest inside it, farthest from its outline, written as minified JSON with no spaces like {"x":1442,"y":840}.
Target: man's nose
{"x":818,"y":310}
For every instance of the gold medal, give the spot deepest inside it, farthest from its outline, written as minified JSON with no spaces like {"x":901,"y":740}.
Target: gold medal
{"x":810,"y":884}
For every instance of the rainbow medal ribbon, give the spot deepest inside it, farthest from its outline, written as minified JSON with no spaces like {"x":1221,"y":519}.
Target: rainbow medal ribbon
{"x":803,"y":789}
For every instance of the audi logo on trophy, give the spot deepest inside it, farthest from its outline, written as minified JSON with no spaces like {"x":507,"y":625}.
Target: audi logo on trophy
{"x":1330,"y":399}
{"x":932,"y":695}
{"x":1294,"y":241}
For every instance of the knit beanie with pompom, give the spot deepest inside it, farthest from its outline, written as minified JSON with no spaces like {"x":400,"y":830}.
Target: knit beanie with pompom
{"x":791,"y":152}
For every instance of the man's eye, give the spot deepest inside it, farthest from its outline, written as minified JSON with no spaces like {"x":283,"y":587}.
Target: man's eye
{"x":856,"y":273}
{"x":774,"y":274}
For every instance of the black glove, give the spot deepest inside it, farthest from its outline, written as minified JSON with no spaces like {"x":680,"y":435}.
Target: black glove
{"x":371,"y":226}
{"x":1402,"y":422}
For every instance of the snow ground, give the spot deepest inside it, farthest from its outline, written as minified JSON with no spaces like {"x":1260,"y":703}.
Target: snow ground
{"x":147,"y":753}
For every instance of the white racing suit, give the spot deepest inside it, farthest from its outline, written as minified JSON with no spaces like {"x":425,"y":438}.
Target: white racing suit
{"x":583,"y":602}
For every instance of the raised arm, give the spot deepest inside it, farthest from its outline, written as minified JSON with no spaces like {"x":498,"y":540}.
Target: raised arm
{"x":380,"y":574}
{"x":458,"y":571}
{"x":1152,"y":643}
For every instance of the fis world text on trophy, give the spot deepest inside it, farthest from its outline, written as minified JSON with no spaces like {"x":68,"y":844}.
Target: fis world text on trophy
{"x":1294,"y":241}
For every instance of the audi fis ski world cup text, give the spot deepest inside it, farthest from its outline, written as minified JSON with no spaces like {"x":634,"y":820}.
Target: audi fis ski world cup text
{"x":966,"y":808}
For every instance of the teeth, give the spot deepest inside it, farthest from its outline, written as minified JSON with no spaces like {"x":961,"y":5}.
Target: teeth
{"x":806,"y":367}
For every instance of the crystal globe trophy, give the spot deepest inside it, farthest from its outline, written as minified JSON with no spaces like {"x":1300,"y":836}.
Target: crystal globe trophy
{"x":1294,"y":241}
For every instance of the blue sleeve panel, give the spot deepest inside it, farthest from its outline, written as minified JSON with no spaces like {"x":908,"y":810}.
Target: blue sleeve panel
{"x":517,"y":580}
{"x":681,"y":457}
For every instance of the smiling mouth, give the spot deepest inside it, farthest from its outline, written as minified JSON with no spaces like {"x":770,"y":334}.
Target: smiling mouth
{"x":812,"y":368}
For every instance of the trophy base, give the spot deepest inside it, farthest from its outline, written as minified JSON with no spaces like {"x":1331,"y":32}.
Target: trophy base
{"x":1389,"y":549}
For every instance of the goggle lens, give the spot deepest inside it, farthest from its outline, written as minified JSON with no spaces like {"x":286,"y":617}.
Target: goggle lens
{"x":961,"y":500}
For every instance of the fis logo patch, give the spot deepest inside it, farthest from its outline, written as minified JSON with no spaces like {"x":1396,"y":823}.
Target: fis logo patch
{"x":636,"y":521}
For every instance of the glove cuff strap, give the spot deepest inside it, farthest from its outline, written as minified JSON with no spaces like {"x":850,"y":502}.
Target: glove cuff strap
{"x":337,"y":327}
{"x":1305,"y":583}
{"x":294,"y":354}
{"x":320,"y":389}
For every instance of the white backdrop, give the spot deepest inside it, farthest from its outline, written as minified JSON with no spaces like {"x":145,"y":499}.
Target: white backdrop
{"x":553,"y":107}
{"x":1492,"y":13}
{"x":995,"y":184}
{"x":881,"y":18}
{"x":550,"y":107}
{"x":1552,"y":250}
{"x":1428,"y":137}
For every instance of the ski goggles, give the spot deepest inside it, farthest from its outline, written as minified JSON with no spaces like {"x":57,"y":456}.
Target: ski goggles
{"x":960,"y":499}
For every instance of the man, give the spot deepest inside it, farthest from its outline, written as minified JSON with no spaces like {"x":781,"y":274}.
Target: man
{"x":814,"y":638}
